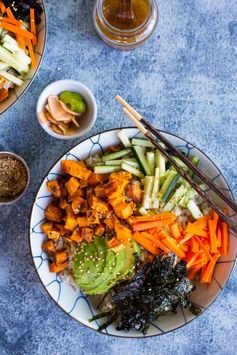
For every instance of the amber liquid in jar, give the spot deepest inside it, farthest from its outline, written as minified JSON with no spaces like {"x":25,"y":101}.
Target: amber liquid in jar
{"x":125,"y":14}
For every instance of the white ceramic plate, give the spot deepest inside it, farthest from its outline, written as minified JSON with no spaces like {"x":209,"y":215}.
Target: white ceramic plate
{"x":72,"y":301}
{"x":18,"y":91}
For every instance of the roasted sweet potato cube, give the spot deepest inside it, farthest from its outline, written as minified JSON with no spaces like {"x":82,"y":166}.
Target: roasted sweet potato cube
{"x":53,"y":186}
{"x":98,"y":205}
{"x":95,"y":179}
{"x":115,"y":201}
{"x":123,"y":210}
{"x":84,"y":183}
{"x":113,"y":243}
{"x":135,"y":192}
{"x":109,"y":221}
{"x":53,"y":235}
{"x":53,"y":213}
{"x":49,"y":247}
{"x":76,"y":236}
{"x":61,"y":256}
{"x":61,"y":228}
{"x":123,"y":178}
{"x":70,"y":221}
{"x":87,"y":234}
{"x":99,"y":191}
{"x":72,"y":185}
{"x":77,"y":169}
{"x":53,"y":267}
{"x":123,"y":233}
{"x":82,"y":222}
{"x":63,"y":203}
{"x":99,"y":230}
{"x":47,"y":227}
{"x":92,"y":217}
{"x":79,"y":205}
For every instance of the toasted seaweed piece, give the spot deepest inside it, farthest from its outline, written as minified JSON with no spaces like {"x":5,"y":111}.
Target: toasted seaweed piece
{"x":157,"y":288}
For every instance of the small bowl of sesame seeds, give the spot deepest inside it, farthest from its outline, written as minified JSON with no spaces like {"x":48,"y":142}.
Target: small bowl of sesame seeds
{"x":14,"y":178}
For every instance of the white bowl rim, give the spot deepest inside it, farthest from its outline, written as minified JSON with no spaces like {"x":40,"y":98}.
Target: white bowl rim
{"x":40,"y":61}
{"x":76,"y":320}
{"x":94,"y":104}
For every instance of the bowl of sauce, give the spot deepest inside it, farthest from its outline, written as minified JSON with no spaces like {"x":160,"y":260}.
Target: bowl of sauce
{"x":125,"y":24}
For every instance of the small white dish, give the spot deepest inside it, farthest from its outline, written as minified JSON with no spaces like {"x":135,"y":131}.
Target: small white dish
{"x":86,"y":121}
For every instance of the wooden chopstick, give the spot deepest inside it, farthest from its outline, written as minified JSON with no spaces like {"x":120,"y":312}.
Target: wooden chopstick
{"x":177,"y":152}
{"x":134,"y":118}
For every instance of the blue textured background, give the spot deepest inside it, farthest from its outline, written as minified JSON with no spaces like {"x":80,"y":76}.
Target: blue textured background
{"x":184,"y":79}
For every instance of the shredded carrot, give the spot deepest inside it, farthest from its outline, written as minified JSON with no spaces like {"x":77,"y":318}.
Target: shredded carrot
{"x":175,"y":231}
{"x":145,"y":243}
{"x":32,"y":25}
{"x":194,"y":245}
{"x":224,"y":239}
{"x":212,"y":232}
{"x":17,"y":30}
{"x":32,"y":55}
{"x":171,"y":244}
{"x":193,"y":229}
{"x":149,"y":225}
{"x":2,"y":7}
{"x":155,"y":217}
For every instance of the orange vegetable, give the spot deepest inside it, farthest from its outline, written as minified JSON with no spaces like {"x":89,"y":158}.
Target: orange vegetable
{"x":2,"y":7}
{"x":175,"y":231}
{"x":212,"y":232}
{"x":194,"y":245}
{"x":49,"y":246}
{"x":92,"y":217}
{"x":61,"y":256}
{"x":115,"y":201}
{"x":202,"y":222}
{"x":77,"y":169}
{"x":31,"y":52}
{"x":207,"y":274}
{"x":79,"y":205}
{"x":32,"y":26}
{"x":53,"y":235}
{"x":203,"y":247}
{"x":70,"y":221}
{"x":194,"y":229}
{"x":123,"y":210}
{"x":218,"y":233}
{"x":224,"y":239}
{"x":95,"y":179}
{"x":135,"y":192}
{"x":100,"y":230}
{"x":82,"y":222}
{"x":155,"y":217}
{"x":99,"y":205}
{"x":123,"y":234}
{"x":54,"y":188}
{"x":191,"y":260}
{"x":154,"y":224}
{"x":72,"y":185}
{"x":87,"y":234}
{"x":156,"y":240}
{"x":12,"y":20}
{"x":145,"y":243}
{"x":53,"y":267}
{"x":113,"y":243}
{"x":47,"y":227}
{"x":76,"y":236}
{"x":4,"y":94}
{"x":53,"y":213}
{"x":17,"y":30}
{"x":171,"y":244}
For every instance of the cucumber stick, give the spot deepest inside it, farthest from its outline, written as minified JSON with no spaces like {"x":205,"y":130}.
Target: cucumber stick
{"x":174,"y":200}
{"x":169,"y":185}
{"x":142,"y":143}
{"x":160,"y":162}
{"x":148,"y":184}
{"x":131,"y":169}
{"x":105,"y":169}
{"x":124,"y":138}
{"x":116,"y":155}
{"x":143,"y":212}
{"x":141,"y":159}
{"x":194,"y":209}
{"x":150,"y":156}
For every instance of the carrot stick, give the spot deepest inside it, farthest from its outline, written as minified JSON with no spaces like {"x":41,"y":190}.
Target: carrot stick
{"x":171,"y":244}
{"x":207,"y":274}
{"x":32,"y":26}
{"x":191,"y":260}
{"x":202,"y":222}
{"x":148,"y":225}
{"x":175,"y":231}
{"x":218,"y":235}
{"x":2,"y":7}
{"x":17,"y":30}
{"x":155,"y":217}
{"x":224,"y":239}
{"x":203,"y":247}
{"x":212,"y":232}
{"x":194,"y":245}
{"x":32,"y":55}
{"x":192,"y":273}
{"x":13,"y":21}
{"x":193,"y":229}
{"x":186,"y":238}
{"x":145,"y":243}
{"x":156,"y":240}
{"x":9,"y":12}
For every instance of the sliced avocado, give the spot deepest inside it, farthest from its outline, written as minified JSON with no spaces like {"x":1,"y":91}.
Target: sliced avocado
{"x":98,"y":263}
{"x":109,"y":265}
{"x":84,"y":261}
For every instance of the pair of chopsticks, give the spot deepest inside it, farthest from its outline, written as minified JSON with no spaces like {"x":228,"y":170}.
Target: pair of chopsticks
{"x":150,"y":132}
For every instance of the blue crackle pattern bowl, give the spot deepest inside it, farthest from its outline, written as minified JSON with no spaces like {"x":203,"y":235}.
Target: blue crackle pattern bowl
{"x":73,"y":301}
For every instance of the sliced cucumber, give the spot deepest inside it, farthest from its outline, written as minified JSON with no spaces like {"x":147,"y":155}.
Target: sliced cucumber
{"x":105,"y":169}
{"x":11,"y":77}
{"x":195,"y":160}
{"x":174,"y":200}
{"x":141,"y":159}
{"x":194,"y":209}
{"x":143,"y":212}
{"x":116,"y":155}
{"x":160,"y":162}
{"x":156,"y":184}
{"x":150,"y":156}
{"x":169,"y":185}
{"x":113,"y":162}
{"x":131,"y":162}
{"x":131,"y":169}
{"x":142,"y":143}
{"x":148,"y":184}
{"x":124,"y":138}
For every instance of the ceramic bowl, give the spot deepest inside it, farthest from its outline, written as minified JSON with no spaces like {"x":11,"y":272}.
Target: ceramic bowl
{"x":11,"y":201}
{"x":18,"y":91}
{"x":86,"y":121}
{"x":72,"y":300}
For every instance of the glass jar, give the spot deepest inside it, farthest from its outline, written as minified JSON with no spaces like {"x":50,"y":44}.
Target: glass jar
{"x":125,"y":38}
